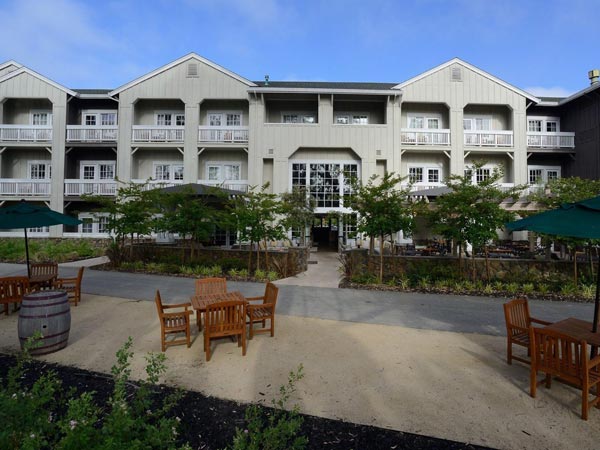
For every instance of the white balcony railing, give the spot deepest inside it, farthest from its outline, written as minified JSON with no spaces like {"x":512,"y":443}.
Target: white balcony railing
{"x":489,"y":138}
{"x":144,"y":133}
{"x":25,"y":133}
{"x":234,"y":185}
{"x":551,"y":140}
{"x":24,"y":187}
{"x":76,"y":187}
{"x":82,"y":133}
{"x":225,"y":135}
{"x":156,"y":184}
{"x":417,"y":136}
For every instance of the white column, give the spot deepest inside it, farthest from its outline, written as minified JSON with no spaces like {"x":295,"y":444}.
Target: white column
{"x":190,"y":153}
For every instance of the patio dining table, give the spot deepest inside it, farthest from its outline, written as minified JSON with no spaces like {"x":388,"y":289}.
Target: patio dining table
{"x":578,"y":329}
{"x":200,"y":302}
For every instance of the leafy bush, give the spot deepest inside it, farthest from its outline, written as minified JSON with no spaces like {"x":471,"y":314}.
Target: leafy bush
{"x":272,"y":276}
{"x":260,"y":275}
{"x":228,"y":264}
{"x":59,"y":250}
{"x":364,"y":278}
{"x":215,"y":271}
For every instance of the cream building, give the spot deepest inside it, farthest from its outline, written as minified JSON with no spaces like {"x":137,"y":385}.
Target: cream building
{"x":193,"y":121}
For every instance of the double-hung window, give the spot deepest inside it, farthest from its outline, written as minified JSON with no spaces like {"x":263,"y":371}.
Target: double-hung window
{"x":39,"y":170}
{"x":169,"y":119}
{"x":41,"y":118}
{"x":543,"y":124}
{"x":345,"y":118}
{"x":98,"y":170}
{"x":217,"y":171}
{"x":421,"y":174}
{"x":289,"y":117}
{"x":168,"y":172}
{"x":543,"y":174}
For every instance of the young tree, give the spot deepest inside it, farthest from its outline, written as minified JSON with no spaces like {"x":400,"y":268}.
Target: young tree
{"x":298,"y":210}
{"x":472,"y":212}
{"x":382,"y":209}
{"x":255,"y":216}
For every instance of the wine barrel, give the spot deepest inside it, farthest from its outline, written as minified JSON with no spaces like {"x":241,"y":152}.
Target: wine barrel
{"x":49,"y":313}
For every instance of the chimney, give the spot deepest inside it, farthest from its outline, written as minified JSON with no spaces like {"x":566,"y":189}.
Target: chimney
{"x":267,"y":80}
{"x":594,"y":76}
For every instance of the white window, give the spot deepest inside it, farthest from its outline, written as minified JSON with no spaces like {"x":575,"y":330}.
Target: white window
{"x":433,"y":175}
{"x":223,"y":171}
{"x":87,"y":226}
{"x":327,"y":182}
{"x":421,"y":174}
{"x":94,"y":223}
{"x":479,"y":175}
{"x":103,"y":224}
{"x":89,"y":120}
{"x":224,"y":118}
{"x":543,"y":124}
{"x":415,"y":174}
{"x":39,"y":170}
{"x":169,"y":119}
{"x":41,"y":118}
{"x":543,"y":174}
{"x":345,"y":118}
{"x":551,"y":126}
{"x":168,"y":171}
{"x":98,"y":170}
{"x":342,"y":119}
{"x":215,"y":120}
{"x":92,"y":118}
{"x":424,"y":121}
{"x":108,"y":119}
{"x":534,"y":126}
{"x":234,"y":120}
{"x":289,"y":117}
{"x":477,"y":123}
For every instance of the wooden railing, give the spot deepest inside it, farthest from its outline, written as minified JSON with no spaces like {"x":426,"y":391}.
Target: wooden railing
{"x":76,"y":187}
{"x":489,"y":138}
{"x":224,"y":135}
{"x":25,"y":133}
{"x":417,"y":136}
{"x":82,"y":133}
{"x":24,"y":187}
{"x":144,"y":133}
{"x":551,"y":140}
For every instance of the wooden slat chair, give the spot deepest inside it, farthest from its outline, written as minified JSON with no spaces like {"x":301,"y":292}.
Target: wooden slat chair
{"x":261,"y":312}
{"x":566,"y":358}
{"x":518,"y":322}
{"x":12,"y":290}
{"x":72,"y":286}
{"x":225,"y":319}
{"x":208,"y":286}
{"x":173,"y":322}
{"x":48,"y":272}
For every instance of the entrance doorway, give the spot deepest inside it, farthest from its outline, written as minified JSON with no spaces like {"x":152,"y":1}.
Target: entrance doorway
{"x":324,"y":232}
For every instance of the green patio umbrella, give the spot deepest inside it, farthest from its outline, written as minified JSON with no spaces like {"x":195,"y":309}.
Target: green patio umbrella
{"x":27,"y":215}
{"x":579,"y":220}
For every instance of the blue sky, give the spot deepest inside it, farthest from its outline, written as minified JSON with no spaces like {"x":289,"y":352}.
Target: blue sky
{"x":545,"y":47}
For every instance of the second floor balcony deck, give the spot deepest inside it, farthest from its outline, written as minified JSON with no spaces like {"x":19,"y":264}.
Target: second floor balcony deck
{"x":414,"y":136}
{"x":485,"y":138}
{"x":78,"y":187}
{"x":158,"y":134}
{"x":96,"y":134}
{"x":25,"y":133}
{"x":232,"y":185}
{"x":17,"y":187}
{"x":223,"y":135}
{"x":556,"y":140}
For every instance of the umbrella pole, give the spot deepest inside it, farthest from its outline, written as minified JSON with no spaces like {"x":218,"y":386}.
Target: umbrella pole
{"x":597,"y":302}
{"x":27,"y":253}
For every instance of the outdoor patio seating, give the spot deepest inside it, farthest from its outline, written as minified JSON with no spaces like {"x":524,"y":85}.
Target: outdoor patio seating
{"x":261,"y":312}
{"x":568,"y":359}
{"x":225,"y":319}
{"x":42,"y":275}
{"x":518,"y":323}
{"x":173,"y":322}
{"x":72,"y":286}
{"x":12,"y":290}
{"x":209,"y":286}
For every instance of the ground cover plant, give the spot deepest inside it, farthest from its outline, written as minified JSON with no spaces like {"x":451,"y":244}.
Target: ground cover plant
{"x":57,"y":250}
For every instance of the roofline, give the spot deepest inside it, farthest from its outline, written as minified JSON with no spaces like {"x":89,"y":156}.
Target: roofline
{"x":27,"y":70}
{"x":105,"y":96}
{"x":547,"y":103}
{"x":10,"y":63}
{"x":279,"y":90}
{"x":173,"y":64}
{"x":580,"y":93}
{"x":473,"y":68}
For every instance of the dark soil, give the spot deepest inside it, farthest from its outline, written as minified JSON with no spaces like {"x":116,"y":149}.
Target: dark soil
{"x":209,"y":423}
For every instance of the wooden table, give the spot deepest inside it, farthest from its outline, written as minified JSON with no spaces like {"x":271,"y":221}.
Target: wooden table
{"x":578,"y":329}
{"x":41,"y":281}
{"x":200,"y":302}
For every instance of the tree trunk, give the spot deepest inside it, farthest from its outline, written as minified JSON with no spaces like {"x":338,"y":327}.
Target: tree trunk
{"x":266,"y":256}
{"x":258,"y":255}
{"x":460,"y":271}
{"x":487,"y":263}
{"x":381,"y":260}
{"x":371,"y":245}
{"x":250,"y":258}
{"x":473,"y":263}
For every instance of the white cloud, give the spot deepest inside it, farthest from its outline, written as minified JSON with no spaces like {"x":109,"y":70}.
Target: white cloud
{"x":555,"y":91}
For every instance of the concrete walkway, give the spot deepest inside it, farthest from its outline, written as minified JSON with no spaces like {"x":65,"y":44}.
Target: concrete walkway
{"x":323,"y":271}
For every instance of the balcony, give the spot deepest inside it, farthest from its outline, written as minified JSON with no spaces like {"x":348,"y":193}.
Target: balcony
{"x":76,"y":187}
{"x":223,"y":135}
{"x":82,"y":133}
{"x":417,"y":136}
{"x":551,"y":140}
{"x":157,"y":184}
{"x":25,"y":133}
{"x":24,"y":187}
{"x":489,"y":138}
{"x":158,"y":134}
{"x":233,"y":185}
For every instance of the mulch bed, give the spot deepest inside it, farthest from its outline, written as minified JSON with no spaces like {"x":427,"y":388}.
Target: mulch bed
{"x":209,"y":423}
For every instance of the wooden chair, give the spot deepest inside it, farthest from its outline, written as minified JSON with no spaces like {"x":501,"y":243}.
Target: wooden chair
{"x":518,"y":323}
{"x":72,"y":286}
{"x":566,"y":358}
{"x":42,"y":275}
{"x":12,"y":290}
{"x":173,"y":322}
{"x":207,"y":286}
{"x":264,"y":311}
{"x":225,"y":319}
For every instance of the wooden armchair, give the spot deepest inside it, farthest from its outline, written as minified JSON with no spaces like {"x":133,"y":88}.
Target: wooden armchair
{"x":518,"y":323}
{"x":264,"y":311}
{"x":72,"y":286}
{"x":566,"y":358}
{"x":208,"y":286}
{"x":225,"y":319}
{"x":12,"y":290}
{"x":173,"y":322}
{"x":42,"y":275}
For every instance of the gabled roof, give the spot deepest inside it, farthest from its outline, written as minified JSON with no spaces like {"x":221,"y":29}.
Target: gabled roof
{"x":474,"y":69}
{"x":23,"y":69}
{"x":587,"y":90}
{"x":6,"y":64}
{"x":177,"y":62}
